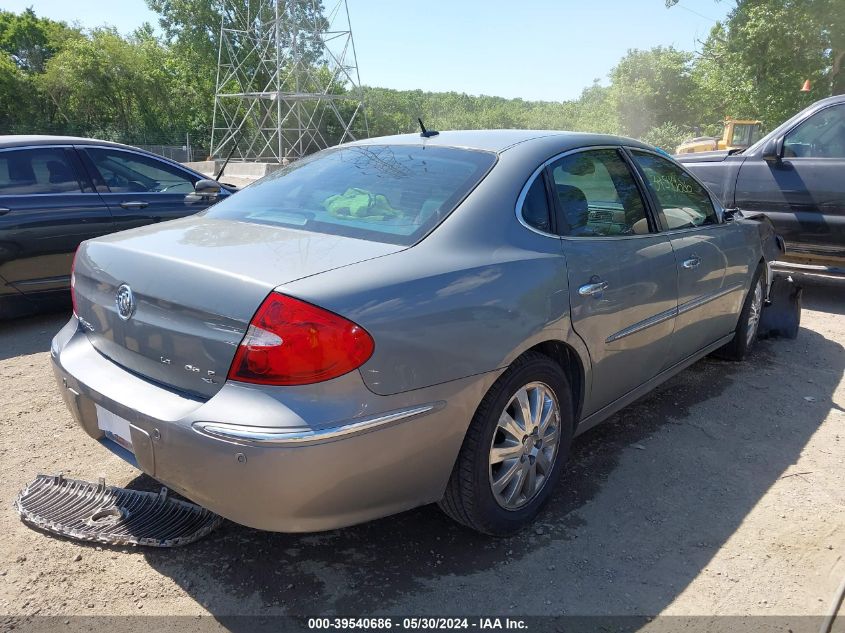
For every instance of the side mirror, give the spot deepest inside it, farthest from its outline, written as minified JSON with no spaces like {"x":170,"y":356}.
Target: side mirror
{"x":729,"y":215}
{"x":773,"y":150}
{"x":207,"y":187}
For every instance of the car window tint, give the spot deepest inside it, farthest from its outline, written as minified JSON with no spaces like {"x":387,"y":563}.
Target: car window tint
{"x":125,"y":172}
{"x":384,"y":193}
{"x":682,"y":201}
{"x":820,"y":136}
{"x":598,"y":195}
{"x":38,"y":170}
{"x":535,"y":206}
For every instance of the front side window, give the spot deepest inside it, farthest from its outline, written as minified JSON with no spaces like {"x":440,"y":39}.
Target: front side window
{"x":598,"y":195}
{"x":125,"y":172}
{"x":683,"y":203}
{"x":384,"y":193}
{"x":820,"y":136}
{"x":38,"y":170}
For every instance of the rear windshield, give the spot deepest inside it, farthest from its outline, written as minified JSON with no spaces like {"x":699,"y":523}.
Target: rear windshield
{"x":383,"y":193}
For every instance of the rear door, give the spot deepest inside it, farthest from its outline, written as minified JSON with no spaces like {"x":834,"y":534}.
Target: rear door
{"x":804,"y":192}
{"x":622,"y":276}
{"x":47,"y":207}
{"x":140,"y":189}
{"x":711,"y":257}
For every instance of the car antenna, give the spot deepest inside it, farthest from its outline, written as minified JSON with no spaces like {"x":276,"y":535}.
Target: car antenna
{"x":226,"y":162}
{"x":426,"y":133}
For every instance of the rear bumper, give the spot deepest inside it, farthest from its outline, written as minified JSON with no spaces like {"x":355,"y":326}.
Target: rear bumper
{"x":290,"y":459}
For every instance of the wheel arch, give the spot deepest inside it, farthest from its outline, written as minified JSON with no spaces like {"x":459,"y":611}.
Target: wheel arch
{"x":573,"y":366}
{"x":768,"y":277}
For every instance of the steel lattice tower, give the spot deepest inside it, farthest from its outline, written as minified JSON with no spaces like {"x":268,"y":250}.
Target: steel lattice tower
{"x":287,"y":80}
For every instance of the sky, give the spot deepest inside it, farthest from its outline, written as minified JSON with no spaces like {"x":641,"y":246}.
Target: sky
{"x":533,"y":49}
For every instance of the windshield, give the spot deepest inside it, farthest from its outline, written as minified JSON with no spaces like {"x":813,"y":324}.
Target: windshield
{"x":745,"y":134}
{"x":384,"y":193}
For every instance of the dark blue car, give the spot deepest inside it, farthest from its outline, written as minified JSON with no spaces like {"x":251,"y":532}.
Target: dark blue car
{"x":57,"y":191}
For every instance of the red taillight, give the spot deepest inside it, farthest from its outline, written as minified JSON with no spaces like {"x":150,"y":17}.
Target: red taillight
{"x":290,"y":342}
{"x":73,"y":283}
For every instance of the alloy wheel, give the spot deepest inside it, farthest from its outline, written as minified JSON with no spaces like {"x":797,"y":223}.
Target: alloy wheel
{"x":524,"y":445}
{"x":754,"y":314}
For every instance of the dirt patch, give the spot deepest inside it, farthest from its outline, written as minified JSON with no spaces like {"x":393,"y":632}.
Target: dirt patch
{"x":722,"y":492}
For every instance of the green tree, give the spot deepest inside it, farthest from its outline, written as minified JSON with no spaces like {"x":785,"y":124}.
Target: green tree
{"x":754,"y":63}
{"x":595,"y":111}
{"x":650,"y":88}
{"x":31,"y":41}
{"x":117,"y":88}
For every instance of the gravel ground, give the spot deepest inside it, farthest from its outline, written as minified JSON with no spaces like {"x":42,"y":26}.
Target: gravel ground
{"x":723,"y":492}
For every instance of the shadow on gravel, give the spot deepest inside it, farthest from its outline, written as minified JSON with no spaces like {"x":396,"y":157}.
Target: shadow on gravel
{"x":650,"y":496}
{"x":824,"y":295}
{"x":30,"y":335}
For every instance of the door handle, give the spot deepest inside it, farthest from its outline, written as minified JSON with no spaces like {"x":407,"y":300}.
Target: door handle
{"x":4,"y":210}
{"x":692,"y":262}
{"x":593,"y":289}
{"x":134,"y":204}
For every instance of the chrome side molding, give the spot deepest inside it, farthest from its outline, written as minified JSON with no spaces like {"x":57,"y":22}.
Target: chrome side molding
{"x":276,"y":436}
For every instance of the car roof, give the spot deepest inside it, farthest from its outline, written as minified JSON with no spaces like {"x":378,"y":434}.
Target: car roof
{"x":487,"y":140}
{"x":28,"y":140}
{"x":501,"y":140}
{"x":22,"y":140}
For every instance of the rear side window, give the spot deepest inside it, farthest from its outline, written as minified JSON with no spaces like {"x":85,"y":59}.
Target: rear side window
{"x":383,"y":193}
{"x":535,"y":207}
{"x":38,"y":170}
{"x":597,"y":195}
{"x":683,"y":203}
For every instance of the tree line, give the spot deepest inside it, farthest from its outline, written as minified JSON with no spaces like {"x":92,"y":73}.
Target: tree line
{"x":150,"y":87}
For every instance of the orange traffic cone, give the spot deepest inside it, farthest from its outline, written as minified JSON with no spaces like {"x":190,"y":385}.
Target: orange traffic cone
{"x":806,"y":86}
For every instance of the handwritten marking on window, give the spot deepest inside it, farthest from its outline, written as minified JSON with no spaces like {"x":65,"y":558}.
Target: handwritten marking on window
{"x":670,"y":183}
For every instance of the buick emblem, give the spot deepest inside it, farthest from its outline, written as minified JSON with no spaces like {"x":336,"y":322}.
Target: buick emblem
{"x":125,"y":302}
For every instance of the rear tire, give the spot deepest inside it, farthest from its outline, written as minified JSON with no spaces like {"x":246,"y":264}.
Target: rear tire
{"x":500,"y":482}
{"x":747,"y":328}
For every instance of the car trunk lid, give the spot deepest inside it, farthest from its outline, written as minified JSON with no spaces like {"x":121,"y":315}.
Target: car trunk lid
{"x":195,"y":285}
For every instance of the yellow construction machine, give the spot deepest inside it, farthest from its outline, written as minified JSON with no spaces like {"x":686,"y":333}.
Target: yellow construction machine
{"x":738,"y":134}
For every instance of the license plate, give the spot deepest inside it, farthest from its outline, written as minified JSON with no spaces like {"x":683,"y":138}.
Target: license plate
{"x":115,"y":427}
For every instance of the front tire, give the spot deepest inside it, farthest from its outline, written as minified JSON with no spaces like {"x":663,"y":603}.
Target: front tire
{"x":747,"y":327}
{"x":515,"y":449}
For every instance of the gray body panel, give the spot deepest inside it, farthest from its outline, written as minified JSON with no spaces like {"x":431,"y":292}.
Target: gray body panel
{"x":448,"y":315}
{"x":710,"y":296}
{"x":185,"y":334}
{"x":627,"y":328}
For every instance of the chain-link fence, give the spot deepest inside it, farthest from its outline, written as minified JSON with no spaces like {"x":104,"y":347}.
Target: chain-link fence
{"x":179,"y":153}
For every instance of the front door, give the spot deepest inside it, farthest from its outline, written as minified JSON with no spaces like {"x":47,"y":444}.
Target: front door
{"x":46,"y":209}
{"x":804,"y":192}
{"x":622,"y":275}
{"x":711,"y":257}
{"x":140,"y":189}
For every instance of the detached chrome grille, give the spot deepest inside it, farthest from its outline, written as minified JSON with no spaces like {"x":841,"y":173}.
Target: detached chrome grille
{"x":110,"y":515}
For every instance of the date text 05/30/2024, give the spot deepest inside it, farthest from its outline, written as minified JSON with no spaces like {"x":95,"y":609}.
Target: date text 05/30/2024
{"x":421,"y":623}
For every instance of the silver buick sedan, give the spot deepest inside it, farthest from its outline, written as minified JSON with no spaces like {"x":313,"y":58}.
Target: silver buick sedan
{"x":404,"y":320}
